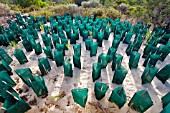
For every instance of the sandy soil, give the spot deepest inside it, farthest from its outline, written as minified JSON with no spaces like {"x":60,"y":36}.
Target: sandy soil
{"x":57,"y":83}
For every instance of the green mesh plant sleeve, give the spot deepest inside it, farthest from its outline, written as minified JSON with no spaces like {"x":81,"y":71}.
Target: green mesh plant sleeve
{"x":93,"y":49}
{"x":48,"y":52}
{"x":55,"y":39}
{"x":134,"y":59}
{"x":19,"y":54}
{"x":117,"y":61}
{"x":96,"y":72}
{"x":68,"y":68}
{"x":5,"y":56}
{"x":87,"y":43}
{"x":85,"y":35}
{"x":61,"y":47}
{"x":128,"y":37}
{"x":77,"y":61}
{"x":119,"y":75}
{"x":73,"y":38}
{"x":59,"y":58}
{"x":100,"y":39}
{"x":26,"y":75}
{"x":5,"y":77}
{"x":27,"y":45}
{"x":39,"y":86}
{"x":149,"y":74}
{"x":166,"y":100}
{"x":163,"y":74}
{"x":149,"y":48}
{"x":166,"y":109}
{"x":100,"y":90}
{"x":44,"y":66}
{"x":111,"y":53}
{"x":129,"y":49}
{"x":77,"y":49}
{"x":106,"y":33}
{"x":37,"y":48}
{"x":5,"y":67}
{"x":80,"y":96}
{"x":141,"y":101}
{"x":118,"y":96}
{"x":103,"y":59}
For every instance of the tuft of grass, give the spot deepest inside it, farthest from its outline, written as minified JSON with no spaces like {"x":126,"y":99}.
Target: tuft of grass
{"x":59,"y":96}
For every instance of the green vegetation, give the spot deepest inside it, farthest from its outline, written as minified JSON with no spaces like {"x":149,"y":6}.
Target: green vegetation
{"x":148,"y":11}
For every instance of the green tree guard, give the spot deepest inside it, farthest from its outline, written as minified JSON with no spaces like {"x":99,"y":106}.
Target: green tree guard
{"x":165,"y":39}
{"x":93,"y":49}
{"x":87,"y":43}
{"x":134,"y":59}
{"x":82,"y":28}
{"x":100,"y":90}
{"x":117,"y":60}
{"x":119,"y":75}
{"x":100,"y":38}
{"x":26,"y":75}
{"x":129,"y":49}
{"x":60,"y":29}
{"x":37,"y":26}
{"x":73,"y":38}
{"x":5,"y":56}
{"x":96,"y":73}
{"x":113,"y":27}
{"x":68,"y":68}
{"x":95,"y":32}
{"x":163,"y":51}
{"x":39,"y":86}
{"x":103,"y":59}
{"x":151,"y":59}
{"x":31,"y":40}
{"x":65,"y":42}
{"x":106,"y":33}
{"x":149,"y":49}
{"x":85,"y":35}
{"x":77,"y":49}
{"x":123,"y":32}
{"x":141,"y":101}
{"x":166,"y":109}
{"x":118,"y":96}
{"x":76,"y":61}
{"x":136,"y":29}
{"x":128,"y":37}
{"x":5,"y":67}
{"x":13,"y":105}
{"x":27,"y":45}
{"x":44,"y":66}
{"x":46,"y":29}
{"x":47,"y":41}
{"x":48,"y":52}
{"x":166,"y":100}
{"x":37,"y":48}
{"x":80,"y":96}
{"x":5,"y":77}
{"x":163,"y":74}
{"x":59,"y":58}
{"x":111,"y":53}
{"x":68,"y":33}
{"x":60,"y":47}
{"x":149,"y":74}
{"x":55,"y":39}
{"x":137,"y":45}
{"x":75,"y":31}
{"x":19,"y":54}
